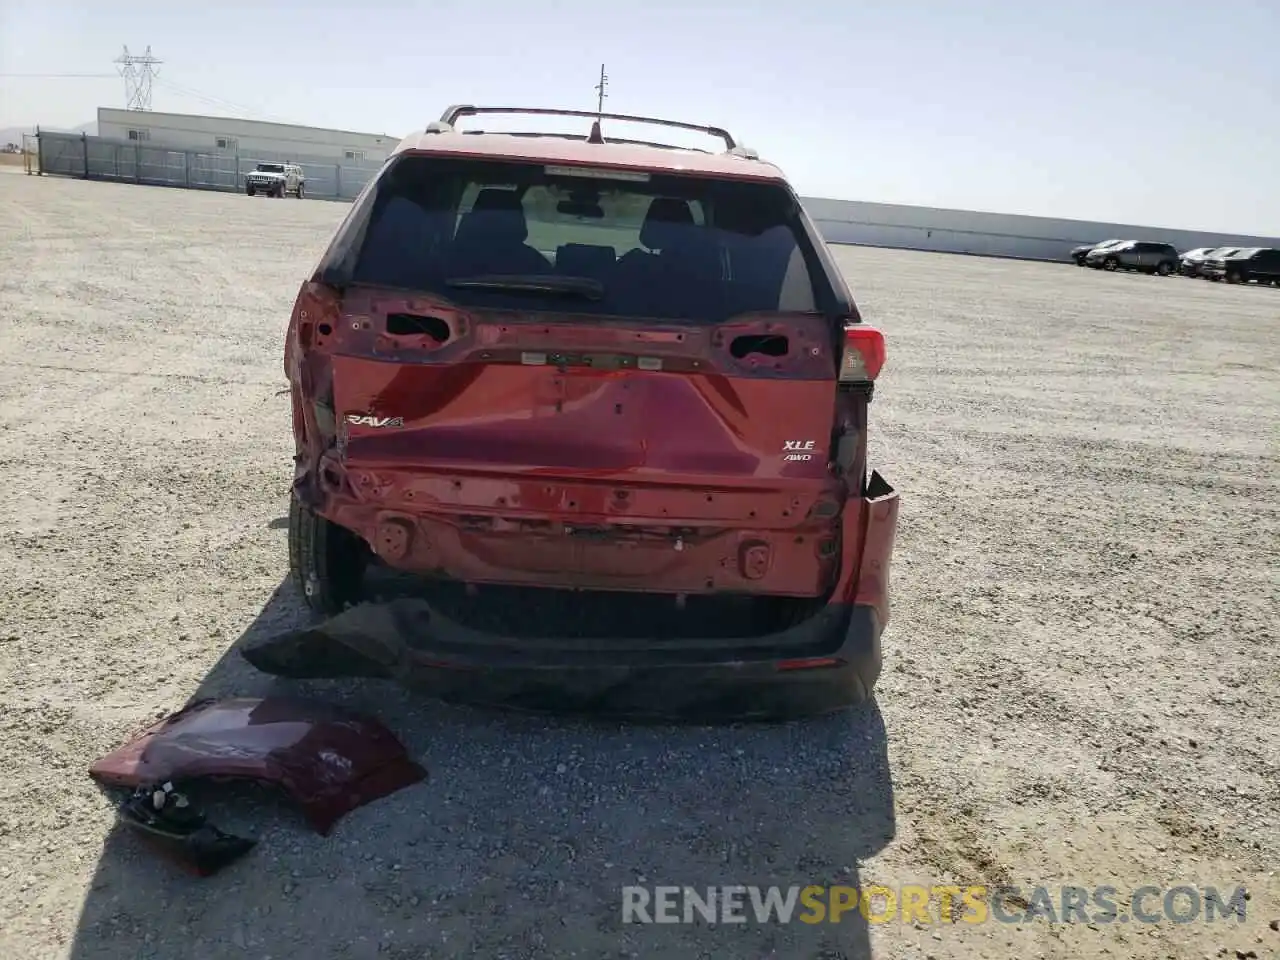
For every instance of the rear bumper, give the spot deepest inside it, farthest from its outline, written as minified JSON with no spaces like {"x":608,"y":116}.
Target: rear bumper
{"x":825,"y":663}
{"x":587,"y":534}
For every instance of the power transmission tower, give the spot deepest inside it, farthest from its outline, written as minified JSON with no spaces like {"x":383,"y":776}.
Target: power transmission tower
{"x":602,"y":91}
{"x":138,"y":72}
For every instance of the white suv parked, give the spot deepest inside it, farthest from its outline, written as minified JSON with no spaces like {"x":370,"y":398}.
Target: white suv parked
{"x":275,"y":180}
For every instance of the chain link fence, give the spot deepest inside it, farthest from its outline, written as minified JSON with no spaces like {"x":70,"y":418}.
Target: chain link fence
{"x":128,"y":161}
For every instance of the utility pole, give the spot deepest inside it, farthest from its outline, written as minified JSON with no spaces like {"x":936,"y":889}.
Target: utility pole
{"x":602,"y":91}
{"x":138,"y":72}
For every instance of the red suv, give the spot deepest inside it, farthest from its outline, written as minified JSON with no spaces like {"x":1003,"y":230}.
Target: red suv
{"x":579,"y":363}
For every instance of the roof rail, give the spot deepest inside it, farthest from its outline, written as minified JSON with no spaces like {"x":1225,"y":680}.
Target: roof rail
{"x":449,"y":119}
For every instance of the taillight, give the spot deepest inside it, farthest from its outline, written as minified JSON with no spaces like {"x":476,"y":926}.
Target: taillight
{"x":314,"y":320}
{"x":317,"y":314}
{"x":864,"y":354}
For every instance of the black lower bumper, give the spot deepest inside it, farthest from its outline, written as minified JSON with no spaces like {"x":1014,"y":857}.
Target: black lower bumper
{"x":827,"y":662}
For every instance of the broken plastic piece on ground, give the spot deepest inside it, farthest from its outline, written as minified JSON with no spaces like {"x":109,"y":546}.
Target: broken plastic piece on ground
{"x":327,"y":759}
{"x":165,"y":819}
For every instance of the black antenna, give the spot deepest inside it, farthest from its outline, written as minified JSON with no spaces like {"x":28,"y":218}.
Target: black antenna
{"x":602,"y":91}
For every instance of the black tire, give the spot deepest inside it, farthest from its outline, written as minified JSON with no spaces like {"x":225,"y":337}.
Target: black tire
{"x":299,"y":194}
{"x":1164,"y":268}
{"x":1111,"y":263}
{"x":1234,"y":277}
{"x":250,"y":191}
{"x":326,"y":561}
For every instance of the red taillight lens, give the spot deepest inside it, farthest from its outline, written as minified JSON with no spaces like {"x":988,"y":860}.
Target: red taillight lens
{"x":864,"y":353}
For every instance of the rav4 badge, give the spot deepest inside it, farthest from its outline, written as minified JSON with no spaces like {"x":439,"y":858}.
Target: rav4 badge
{"x":362,"y":420}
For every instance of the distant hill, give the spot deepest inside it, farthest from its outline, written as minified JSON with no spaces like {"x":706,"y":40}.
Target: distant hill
{"x":14,"y":134}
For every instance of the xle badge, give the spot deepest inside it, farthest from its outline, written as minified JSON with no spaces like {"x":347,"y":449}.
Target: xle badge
{"x":798,"y":449}
{"x":360,"y":420}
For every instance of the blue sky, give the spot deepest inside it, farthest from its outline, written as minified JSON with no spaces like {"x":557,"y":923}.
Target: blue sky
{"x":1153,"y":113}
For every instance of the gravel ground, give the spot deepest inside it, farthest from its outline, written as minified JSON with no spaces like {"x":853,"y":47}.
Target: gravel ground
{"x":1081,"y":679}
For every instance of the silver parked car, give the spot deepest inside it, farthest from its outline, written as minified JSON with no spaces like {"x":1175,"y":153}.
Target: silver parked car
{"x":1193,"y":261}
{"x":1145,"y":256}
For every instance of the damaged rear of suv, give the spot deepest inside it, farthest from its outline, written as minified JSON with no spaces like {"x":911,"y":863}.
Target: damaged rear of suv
{"x":570,"y":363}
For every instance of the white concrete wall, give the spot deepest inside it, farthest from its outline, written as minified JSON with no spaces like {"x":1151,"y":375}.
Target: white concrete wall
{"x":991,"y":234}
{"x":248,"y":137}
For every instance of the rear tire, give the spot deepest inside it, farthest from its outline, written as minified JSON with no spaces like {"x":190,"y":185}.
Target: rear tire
{"x":1111,"y":263}
{"x":299,"y":191}
{"x":327,"y":562}
{"x":1164,"y":269}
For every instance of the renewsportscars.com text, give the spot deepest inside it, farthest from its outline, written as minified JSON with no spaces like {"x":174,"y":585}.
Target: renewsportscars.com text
{"x":930,"y":904}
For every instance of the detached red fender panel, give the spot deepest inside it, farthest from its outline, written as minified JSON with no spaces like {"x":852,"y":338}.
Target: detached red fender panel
{"x":328,"y":760}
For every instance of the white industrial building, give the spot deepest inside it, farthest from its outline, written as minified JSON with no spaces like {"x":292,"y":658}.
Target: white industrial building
{"x":230,"y":136}
{"x":213,"y":153}
{"x":993,"y":234}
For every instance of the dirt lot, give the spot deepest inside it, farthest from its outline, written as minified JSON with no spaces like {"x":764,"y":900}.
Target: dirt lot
{"x":1082,"y":671}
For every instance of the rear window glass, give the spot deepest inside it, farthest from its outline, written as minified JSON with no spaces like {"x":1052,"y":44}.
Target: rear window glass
{"x":528,"y":236}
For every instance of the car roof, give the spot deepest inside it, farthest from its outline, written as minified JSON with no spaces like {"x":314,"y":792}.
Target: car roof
{"x":572,"y":151}
{"x":442,"y":138}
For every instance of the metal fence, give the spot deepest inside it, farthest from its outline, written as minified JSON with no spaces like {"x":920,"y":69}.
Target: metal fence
{"x":128,"y":161}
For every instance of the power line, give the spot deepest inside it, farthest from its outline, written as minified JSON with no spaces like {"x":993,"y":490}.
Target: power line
{"x":61,"y":76}
{"x":217,"y":101}
{"x":138,"y":74}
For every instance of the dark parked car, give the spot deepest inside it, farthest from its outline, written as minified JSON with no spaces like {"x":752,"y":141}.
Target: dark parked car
{"x":1079,"y":253}
{"x":1251,"y":263}
{"x":541,"y":362}
{"x":1193,"y":260}
{"x":1145,"y":256}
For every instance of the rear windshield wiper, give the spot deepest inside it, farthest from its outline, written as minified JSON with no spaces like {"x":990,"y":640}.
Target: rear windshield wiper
{"x":532,"y":283}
